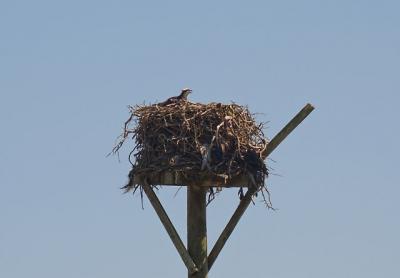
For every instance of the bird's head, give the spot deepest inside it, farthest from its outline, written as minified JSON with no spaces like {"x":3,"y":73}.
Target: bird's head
{"x":185,"y":92}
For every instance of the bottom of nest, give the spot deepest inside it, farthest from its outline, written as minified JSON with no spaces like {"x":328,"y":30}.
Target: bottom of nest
{"x":214,"y":183}
{"x":178,"y":178}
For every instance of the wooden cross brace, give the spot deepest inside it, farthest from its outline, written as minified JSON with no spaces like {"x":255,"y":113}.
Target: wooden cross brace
{"x":195,"y":257}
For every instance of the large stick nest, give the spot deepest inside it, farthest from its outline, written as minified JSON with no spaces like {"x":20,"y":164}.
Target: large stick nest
{"x":195,"y":139}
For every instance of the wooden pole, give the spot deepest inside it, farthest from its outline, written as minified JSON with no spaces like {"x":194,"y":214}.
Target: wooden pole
{"x":244,"y":203}
{"x":173,"y":234}
{"x":197,"y":229}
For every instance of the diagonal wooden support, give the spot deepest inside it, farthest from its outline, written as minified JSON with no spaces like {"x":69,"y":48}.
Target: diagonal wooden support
{"x":289,"y":127}
{"x":244,"y":203}
{"x":173,"y":234}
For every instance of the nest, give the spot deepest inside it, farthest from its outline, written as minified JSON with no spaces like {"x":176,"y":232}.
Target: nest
{"x":196,"y":140}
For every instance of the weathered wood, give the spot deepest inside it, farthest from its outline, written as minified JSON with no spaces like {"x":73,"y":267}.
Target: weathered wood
{"x":173,"y":234}
{"x":171,"y":178}
{"x":197,"y":229}
{"x":244,"y":203}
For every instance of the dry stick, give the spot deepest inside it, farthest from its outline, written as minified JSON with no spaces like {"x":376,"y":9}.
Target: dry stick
{"x":244,"y":203}
{"x":155,"y":202}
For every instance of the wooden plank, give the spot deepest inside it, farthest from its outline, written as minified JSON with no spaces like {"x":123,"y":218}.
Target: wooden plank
{"x":244,"y":203}
{"x":173,"y":178}
{"x":173,"y":234}
{"x":197,"y":229}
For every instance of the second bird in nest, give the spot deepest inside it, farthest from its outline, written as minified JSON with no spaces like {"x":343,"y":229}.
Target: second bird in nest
{"x":182,"y":97}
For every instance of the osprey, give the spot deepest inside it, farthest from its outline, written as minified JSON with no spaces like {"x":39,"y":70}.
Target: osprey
{"x":182,"y":97}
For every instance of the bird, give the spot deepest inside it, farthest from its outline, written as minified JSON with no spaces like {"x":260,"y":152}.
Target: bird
{"x":255,"y":167}
{"x":205,"y":153}
{"x":182,"y":97}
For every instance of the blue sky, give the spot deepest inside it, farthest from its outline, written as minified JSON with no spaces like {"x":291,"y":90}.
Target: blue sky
{"x":68,"y":69}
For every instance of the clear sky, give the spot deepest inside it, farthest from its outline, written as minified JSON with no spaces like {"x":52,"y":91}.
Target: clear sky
{"x":68,"y":69}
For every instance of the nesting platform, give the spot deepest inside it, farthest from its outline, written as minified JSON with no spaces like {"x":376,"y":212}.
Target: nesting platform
{"x":186,"y":143}
{"x":200,"y":146}
{"x":174,"y":178}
